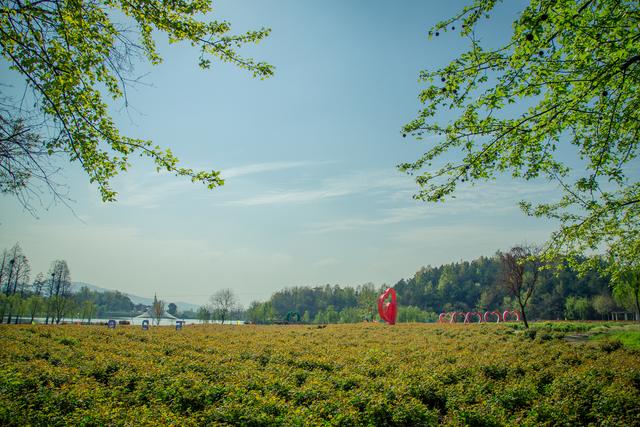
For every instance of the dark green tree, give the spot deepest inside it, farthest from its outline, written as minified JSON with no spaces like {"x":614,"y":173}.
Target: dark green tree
{"x":89,"y":309}
{"x":60,"y":291}
{"x":172,"y":309}
{"x":204,"y":315}
{"x":157,"y":309}
{"x":627,"y":286}
{"x":521,"y":271}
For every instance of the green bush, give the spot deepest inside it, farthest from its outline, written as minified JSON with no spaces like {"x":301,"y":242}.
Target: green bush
{"x":342,"y":375}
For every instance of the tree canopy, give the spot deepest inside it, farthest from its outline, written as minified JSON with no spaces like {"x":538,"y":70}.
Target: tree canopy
{"x":223,"y":304}
{"x":520,"y":275}
{"x":477,"y":285}
{"x":566,"y":85}
{"x":73,"y":54}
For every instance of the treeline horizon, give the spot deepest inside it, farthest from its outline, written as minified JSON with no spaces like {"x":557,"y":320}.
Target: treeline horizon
{"x":51,"y":297}
{"x":561,"y":294}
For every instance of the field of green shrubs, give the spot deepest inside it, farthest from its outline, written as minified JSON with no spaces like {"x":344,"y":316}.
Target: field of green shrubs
{"x":349,"y":375}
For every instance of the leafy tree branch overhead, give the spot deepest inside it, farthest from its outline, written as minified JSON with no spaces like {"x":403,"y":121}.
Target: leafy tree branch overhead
{"x":568,"y":80}
{"x":68,"y":51}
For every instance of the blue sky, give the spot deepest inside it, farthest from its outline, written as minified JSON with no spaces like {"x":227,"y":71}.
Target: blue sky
{"x":312,"y":195}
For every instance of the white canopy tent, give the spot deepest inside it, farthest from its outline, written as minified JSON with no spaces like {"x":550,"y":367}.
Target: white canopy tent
{"x":148,"y":315}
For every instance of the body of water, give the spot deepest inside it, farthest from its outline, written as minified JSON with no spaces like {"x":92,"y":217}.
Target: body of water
{"x":134,"y":321}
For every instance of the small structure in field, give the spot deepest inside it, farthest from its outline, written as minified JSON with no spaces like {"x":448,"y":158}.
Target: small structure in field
{"x":149,"y":314}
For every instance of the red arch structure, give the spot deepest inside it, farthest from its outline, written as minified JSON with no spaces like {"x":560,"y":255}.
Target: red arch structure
{"x":443,"y":315}
{"x":511,"y":313}
{"x":470,"y":315}
{"x":388,"y":310}
{"x":488,"y":314}
{"x":456,"y":314}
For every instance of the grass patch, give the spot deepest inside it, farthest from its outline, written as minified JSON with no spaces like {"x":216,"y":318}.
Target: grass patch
{"x":629,"y":339}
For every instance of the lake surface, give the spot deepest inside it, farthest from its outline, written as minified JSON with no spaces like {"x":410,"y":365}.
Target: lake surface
{"x":136,"y":321}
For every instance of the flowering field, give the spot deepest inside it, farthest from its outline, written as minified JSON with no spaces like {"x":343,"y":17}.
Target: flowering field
{"x":366,"y":374}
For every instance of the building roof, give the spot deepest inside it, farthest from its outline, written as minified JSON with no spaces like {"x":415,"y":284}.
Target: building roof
{"x":148,"y":315}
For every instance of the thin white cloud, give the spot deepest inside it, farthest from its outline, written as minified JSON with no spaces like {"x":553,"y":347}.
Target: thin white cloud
{"x":471,"y":235}
{"x":256,"y":168}
{"x":387,"y":217}
{"x":395,"y":186}
{"x":284,"y":197}
{"x":326,"y":262}
{"x":339,"y":186}
{"x":150,"y":190}
{"x":149,"y":195}
{"x":250,"y":169}
{"x":469,"y":203}
{"x":498,"y":197}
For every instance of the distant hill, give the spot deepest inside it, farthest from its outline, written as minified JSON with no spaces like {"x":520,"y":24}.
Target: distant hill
{"x":182,"y":306}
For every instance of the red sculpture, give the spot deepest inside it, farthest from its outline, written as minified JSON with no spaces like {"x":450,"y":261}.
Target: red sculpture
{"x":507,"y":313}
{"x":455,"y":314}
{"x":495,"y":313}
{"x":469,"y":316}
{"x":388,"y":310}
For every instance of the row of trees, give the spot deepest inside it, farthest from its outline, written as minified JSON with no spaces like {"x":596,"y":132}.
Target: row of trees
{"x":106,"y":303}
{"x":524,"y":279}
{"x":516,"y":279}
{"x":50,"y":296}
{"x":46,"y":295}
{"x":523,"y":269}
{"x":323,"y":304}
{"x":265,"y":313}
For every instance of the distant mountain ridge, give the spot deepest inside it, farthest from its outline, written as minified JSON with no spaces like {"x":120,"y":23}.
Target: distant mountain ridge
{"x":182,"y":306}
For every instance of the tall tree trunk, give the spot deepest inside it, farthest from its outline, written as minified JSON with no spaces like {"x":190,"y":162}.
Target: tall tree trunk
{"x":636,"y":294}
{"x":524,"y":315}
{"x":10,"y":314}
